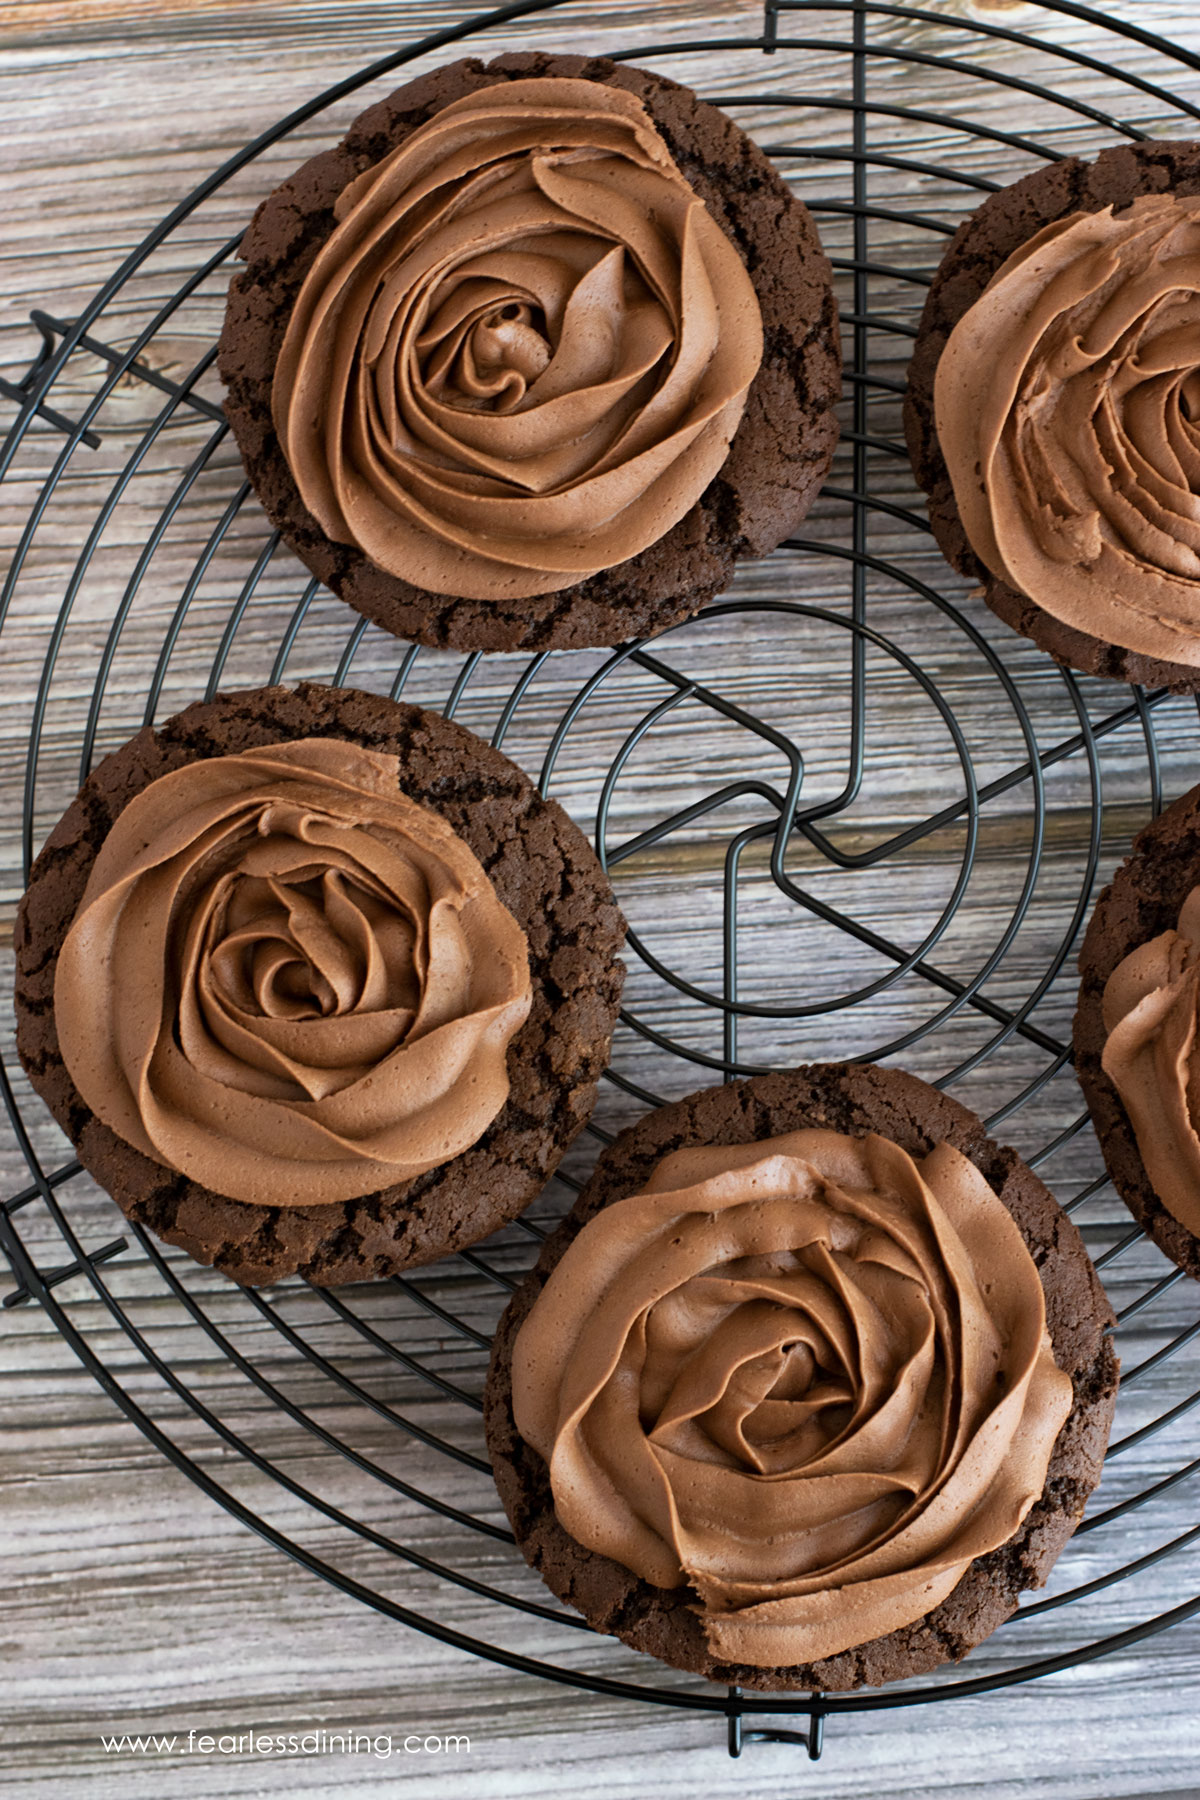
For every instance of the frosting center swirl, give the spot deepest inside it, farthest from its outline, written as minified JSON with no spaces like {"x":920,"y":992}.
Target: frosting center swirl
{"x":289,"y":981}
{"x":522,"y":354}
{"x":1067,"y":402}
{"x":809,"y":1377}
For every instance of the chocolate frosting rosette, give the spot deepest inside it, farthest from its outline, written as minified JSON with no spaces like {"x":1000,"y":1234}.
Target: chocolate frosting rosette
{"x":288,"y":981}
{"x":521,"y":356}
{"x":785,"y":1407}
{"x":1152,"y":1057}
{"x":1068,"y":410}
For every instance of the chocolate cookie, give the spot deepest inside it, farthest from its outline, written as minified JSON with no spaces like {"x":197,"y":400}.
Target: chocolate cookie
{"x":775,"y":463}
{"x":855,"y":1101}
{"x":984,"y":241}
{"x":1143,"y":899}
{"x":541,"y":869}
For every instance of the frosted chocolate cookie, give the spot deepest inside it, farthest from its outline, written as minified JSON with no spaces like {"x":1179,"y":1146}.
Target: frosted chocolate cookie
{"x":316,"y":983}
{"x":534,"y":356}
{"x":1136,"y":1053}
{"x":810,"y":1384}
{"x":1053,"y":410}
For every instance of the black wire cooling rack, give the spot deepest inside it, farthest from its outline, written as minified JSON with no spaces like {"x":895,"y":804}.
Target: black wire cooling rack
{"x":848,"y":815}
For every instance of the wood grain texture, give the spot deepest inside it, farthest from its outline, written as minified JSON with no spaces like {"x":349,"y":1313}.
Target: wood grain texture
{"x":130,"y":1600}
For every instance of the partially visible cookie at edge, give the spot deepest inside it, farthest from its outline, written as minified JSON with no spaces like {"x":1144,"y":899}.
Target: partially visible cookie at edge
{"x":1004,"y":223}
{"x":1142,"y":907}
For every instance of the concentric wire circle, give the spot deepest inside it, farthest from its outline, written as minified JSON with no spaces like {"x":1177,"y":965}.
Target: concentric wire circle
{"x":848,"y":815}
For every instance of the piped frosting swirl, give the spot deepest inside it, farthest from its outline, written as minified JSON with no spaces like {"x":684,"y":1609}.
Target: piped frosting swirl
{"x":289,"y":981}
{"x":810,"y":1377}
{"x":522,"y":353}
{"x":1067,"y":404}
{"x":1152,"y":1057}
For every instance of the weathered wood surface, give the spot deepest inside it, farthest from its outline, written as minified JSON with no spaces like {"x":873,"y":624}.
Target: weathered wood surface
{"x":130,"y":1601}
